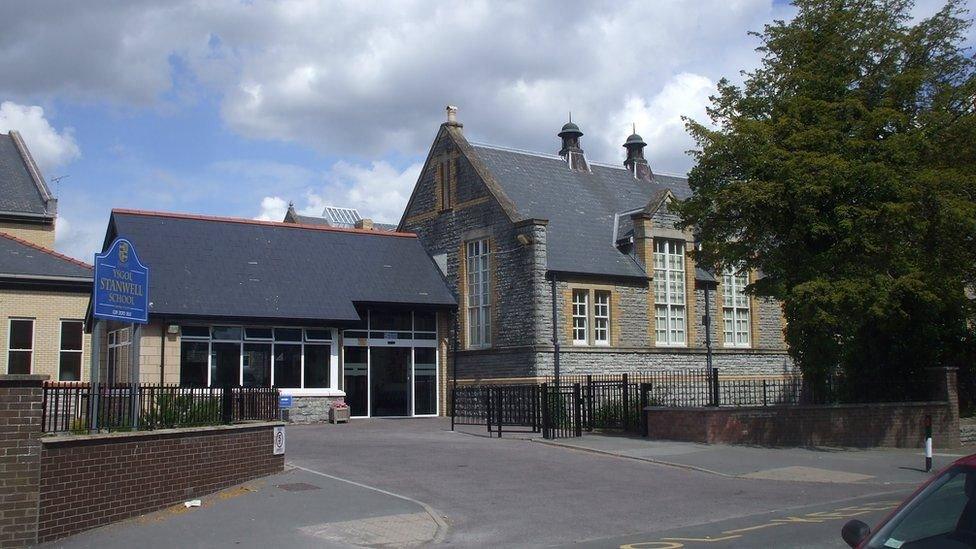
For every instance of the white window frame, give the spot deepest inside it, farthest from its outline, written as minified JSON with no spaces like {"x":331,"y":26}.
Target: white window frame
{"x":601,"y":317}
{"x":736,"y":309}
{"x":122,"y":349}
{"x":581,"y":312}
{"x":303,"y":342}
{"x":478,"y":293}
{"x":10,"y":323}
{"x":62,"y":350}
{"x":670,"y":293}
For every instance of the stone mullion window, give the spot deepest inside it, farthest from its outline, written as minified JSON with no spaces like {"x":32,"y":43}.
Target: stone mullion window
{"x":478,"y":294}
{"x":736,"y":314}
{"x":601,"y":317}
{"x":581,"y":308}
{"x":669,"y":292}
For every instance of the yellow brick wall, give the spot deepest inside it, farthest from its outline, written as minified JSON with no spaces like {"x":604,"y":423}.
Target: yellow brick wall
{"x":38,"y":234}
{"x":150,"y":355}
{"x":47,"y":309}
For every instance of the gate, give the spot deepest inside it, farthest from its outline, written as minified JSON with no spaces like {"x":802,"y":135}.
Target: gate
{"x":500,"y":408}
{"x":561,"y":411}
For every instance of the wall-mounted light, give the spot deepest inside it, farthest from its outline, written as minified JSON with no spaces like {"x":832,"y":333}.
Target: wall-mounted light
{"x":173,"y":329}
{"x":524,"y":239}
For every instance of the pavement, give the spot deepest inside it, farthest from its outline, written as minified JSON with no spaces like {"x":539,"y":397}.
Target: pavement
{"x":414,"y":482}
{"x":881,"y":466}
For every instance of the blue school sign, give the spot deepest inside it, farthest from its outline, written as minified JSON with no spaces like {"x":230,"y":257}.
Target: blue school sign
{"x":121,"y":289}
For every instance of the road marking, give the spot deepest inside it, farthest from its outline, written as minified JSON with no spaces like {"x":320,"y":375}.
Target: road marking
{"x":815,"y":517}
{"x":751,"y":528}
{"x":708,"y":539}
{"x":442,"y":526}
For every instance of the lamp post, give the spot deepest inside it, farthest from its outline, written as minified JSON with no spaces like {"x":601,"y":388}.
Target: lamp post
{"x":707,"y":322}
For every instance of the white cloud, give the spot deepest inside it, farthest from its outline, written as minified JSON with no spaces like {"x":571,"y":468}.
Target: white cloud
{"x":273,"y":208}
{"x":659,"y":119}
{"x":379,"y":191}
{"x":49,"y":148}
{"x":365,"y":79}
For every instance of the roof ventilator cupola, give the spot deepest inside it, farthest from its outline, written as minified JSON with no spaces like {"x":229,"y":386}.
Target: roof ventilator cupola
{"x":571,"y":151}
{"x":636,"y":163}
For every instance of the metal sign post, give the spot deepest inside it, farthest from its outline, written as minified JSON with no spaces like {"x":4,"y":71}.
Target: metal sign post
{"x":121,"y":293}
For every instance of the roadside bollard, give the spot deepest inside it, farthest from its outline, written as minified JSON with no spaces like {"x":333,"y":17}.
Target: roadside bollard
{"x":928,"y":443}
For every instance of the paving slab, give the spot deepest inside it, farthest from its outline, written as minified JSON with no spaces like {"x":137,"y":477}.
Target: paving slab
{"x":883,"y":466}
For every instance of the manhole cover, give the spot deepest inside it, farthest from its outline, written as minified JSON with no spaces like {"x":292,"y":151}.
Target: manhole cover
{"x":299,"y":487}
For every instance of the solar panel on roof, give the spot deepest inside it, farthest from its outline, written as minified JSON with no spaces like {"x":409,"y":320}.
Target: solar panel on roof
{"x":341,"y":217}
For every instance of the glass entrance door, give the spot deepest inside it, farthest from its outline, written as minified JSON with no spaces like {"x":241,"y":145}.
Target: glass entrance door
{"x":389,"y":381}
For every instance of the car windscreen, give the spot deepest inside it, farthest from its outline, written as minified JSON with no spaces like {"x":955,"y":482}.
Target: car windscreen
{"x":943,"y":515}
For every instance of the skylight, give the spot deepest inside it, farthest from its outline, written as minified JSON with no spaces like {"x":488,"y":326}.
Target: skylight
{"x":341,"y":217}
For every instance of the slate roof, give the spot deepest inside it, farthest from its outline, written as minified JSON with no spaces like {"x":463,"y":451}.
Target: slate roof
{"x":24,"y":260}
{"x":580,"y":206}
{"x":22,"y":189}
{"x":238,"y":268}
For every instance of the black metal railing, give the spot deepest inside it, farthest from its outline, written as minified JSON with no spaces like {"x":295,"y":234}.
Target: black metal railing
{"x":78,"y":408}
{"x":501,"y":408}
{"x":617,"y":401}
{"x":562,"y":412}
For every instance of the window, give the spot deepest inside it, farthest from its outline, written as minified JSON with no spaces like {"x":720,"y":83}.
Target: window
{"x":735,"y":307}
{"x":118,"y":355}
{"x":580,"y":312}
{"x":601,"y":317}
{"x":69,"y":360}
{"x":478,"y":294}
{"x":444,"y":183}
{"x":20,"y":346}
{"x":669,"y":291}
{"x":194,"y":357}
{"x":255,"y":356}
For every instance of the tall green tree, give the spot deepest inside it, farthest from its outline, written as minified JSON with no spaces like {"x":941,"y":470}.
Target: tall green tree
{"x":843,"y":169}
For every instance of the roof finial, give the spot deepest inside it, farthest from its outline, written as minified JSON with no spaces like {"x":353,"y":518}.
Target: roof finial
{"x":634,"y":125}
{"x":571,"y":117}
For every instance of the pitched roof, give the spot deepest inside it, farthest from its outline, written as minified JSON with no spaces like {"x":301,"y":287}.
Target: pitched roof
{"x":581,"y":207}
{"x":239,"y":268}
{"x":23,"y":191}
{"x":22,"y":259}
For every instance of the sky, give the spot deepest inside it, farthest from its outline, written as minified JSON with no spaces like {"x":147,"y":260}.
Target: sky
{"x":237,"y":108}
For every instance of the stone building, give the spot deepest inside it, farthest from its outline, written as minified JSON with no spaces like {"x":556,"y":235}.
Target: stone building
{"x":43,"y":294}
{"x":531,"y":241}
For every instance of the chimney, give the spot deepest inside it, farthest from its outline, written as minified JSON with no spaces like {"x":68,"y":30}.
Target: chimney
{"x":571,"y":150}
{"x":365,"y":223}
{"x":452,"y":117}
{"x":635,"y":163}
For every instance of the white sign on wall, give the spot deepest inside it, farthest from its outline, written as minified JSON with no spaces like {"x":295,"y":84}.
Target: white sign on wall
{"x":279,"y":441}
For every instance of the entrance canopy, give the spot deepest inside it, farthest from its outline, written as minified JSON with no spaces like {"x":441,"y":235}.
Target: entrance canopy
{"x":280,"y":273}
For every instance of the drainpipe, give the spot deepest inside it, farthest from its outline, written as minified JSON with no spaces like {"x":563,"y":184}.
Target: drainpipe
{"x":555,"y":332}
{"x":454,"y":352}
{"x":162,"y":352}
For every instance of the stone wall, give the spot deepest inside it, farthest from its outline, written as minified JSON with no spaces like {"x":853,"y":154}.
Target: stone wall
{"x":310,"y":409}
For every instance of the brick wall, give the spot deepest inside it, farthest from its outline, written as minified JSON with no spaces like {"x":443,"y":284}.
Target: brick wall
{"x":40,"y":234}
{"x":20,"y":448}
{"x":47,"y":309}
{"x":92,"y":480}
{"x":860,"y":425}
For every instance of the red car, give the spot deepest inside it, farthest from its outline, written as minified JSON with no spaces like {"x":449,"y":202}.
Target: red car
{"x":940,"y":514}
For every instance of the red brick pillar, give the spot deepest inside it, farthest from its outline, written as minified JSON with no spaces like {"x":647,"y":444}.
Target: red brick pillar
{"x":20,"y":458}
{"x":946,"y":387}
